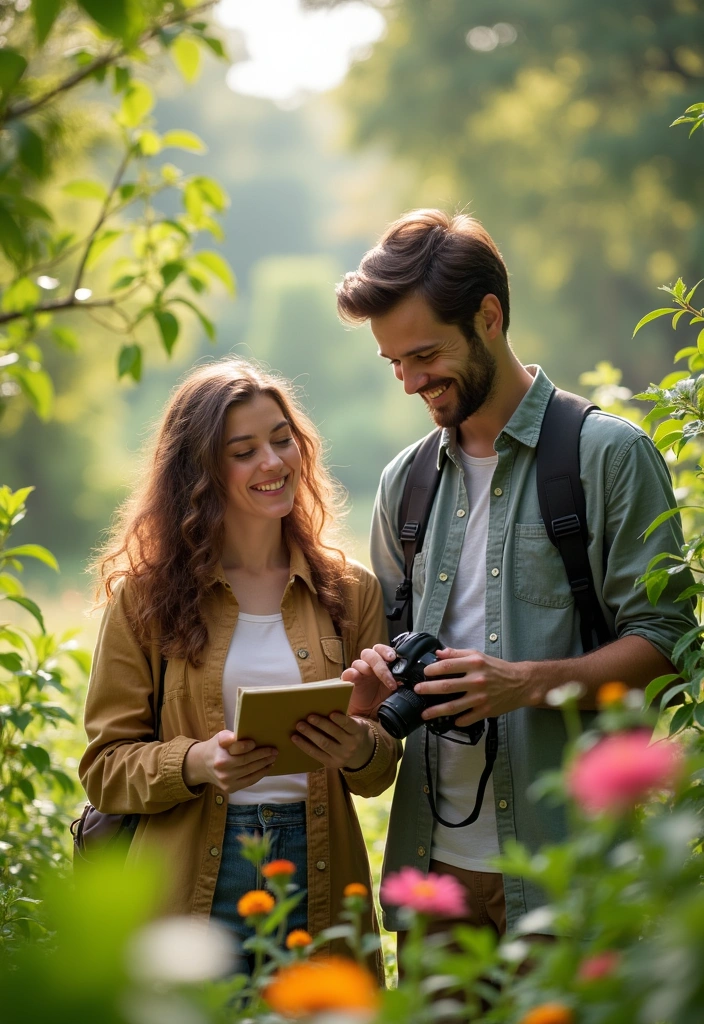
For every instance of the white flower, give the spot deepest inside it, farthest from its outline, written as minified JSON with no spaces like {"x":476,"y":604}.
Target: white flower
{"x":180,"y":950}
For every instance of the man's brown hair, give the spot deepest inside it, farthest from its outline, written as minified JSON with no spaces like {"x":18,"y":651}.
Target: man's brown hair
{"x":452,"y":262}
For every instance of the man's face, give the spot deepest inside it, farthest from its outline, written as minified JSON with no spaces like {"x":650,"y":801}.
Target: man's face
{"x":453,"y":375}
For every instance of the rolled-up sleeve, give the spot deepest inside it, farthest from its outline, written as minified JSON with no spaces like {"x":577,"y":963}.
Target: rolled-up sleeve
{"x":638,"y":490}
{"x":124,"y":770}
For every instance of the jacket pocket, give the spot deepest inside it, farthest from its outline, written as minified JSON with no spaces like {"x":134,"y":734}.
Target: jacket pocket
{"x":176,"y":680}
{"x":334,"y":655}
{"x":419,"y":572}
{"x":539,"y":575}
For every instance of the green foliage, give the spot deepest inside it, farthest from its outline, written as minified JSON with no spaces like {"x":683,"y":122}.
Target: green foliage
{"x":49,"y":269}
{"x":33,"y":786}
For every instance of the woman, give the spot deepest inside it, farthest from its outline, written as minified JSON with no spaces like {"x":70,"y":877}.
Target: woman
{"x":221,"y":564}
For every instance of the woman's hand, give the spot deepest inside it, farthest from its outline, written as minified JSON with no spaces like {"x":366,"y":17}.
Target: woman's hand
{"x":372,"y":679}
{"x":337,"y":742}
{"x":227,"y":763}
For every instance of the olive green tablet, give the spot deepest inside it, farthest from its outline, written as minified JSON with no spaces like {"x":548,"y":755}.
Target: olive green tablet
{"x":268,"y":715}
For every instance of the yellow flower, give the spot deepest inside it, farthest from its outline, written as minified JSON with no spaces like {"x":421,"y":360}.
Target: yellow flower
{"x":610,"y":693}
{"x":278,"y":867}
{"x":257,"y":901}
{"x":356,"y":889}
{"x":298,"y":938}
{"x":549,"y":1013}
{"x":316,"y":986}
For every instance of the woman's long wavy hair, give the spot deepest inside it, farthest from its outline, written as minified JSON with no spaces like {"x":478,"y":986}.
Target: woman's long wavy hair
{"x":168,"y":536}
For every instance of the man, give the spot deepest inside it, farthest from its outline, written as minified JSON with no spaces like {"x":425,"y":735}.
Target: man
{"x":488,"y":581}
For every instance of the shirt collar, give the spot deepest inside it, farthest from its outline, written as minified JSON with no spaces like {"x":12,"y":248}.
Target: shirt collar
{"x":526,"y":421}
{"x":299,"y":568}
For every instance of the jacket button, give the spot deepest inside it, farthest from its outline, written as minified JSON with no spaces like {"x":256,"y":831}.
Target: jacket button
{"x":320,"y":809}
{"x":421,"y":851}
{"x":494,"y":572}
{"x":302,"y":653}
{"x":443,"y":577}
{"x":214,"y":851}
{"x":426,"y":789}
{"x":493,"y":637}
{"x":321,"y":865}
{"x":219,"y":799}
{"x":498,"y":492}
{"x":461,"y":512}
{"x":503,"y":804}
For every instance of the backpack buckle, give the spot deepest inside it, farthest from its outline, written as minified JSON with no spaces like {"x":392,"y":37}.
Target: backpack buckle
{"x":566,"y":525}
{"x":403,"y":590}
{"x":410,"y":530}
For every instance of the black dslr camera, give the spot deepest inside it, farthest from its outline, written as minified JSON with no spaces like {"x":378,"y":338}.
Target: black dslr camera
{"x":400,"y":714}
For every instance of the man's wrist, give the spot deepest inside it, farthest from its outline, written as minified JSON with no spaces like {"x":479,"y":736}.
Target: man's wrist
{"x":365,"y":753}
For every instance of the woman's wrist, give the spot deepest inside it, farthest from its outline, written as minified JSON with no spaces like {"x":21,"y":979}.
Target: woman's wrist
{"x":192,"y":770}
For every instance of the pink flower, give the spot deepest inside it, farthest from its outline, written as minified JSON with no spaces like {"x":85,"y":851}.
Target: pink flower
{"x":439,"y":895}
{"x":601,"y":965}
{"x":620,"y":770}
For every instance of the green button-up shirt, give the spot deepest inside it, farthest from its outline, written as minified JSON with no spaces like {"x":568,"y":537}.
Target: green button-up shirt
{"x":530,"y":612}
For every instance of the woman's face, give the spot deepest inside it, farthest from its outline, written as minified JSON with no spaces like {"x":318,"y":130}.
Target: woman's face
{"x":261,"y":462}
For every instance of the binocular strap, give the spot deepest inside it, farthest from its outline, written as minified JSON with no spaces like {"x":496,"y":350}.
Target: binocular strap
{"x":491,"y":748}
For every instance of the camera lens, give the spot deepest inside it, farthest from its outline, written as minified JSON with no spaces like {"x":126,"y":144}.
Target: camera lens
{"x":401,"y":713}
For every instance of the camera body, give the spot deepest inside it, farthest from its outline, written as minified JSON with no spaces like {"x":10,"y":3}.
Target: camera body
{"x":400,"y":714}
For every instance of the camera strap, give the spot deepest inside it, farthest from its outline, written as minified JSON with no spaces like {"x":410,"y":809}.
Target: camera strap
{"x":491,"y":749}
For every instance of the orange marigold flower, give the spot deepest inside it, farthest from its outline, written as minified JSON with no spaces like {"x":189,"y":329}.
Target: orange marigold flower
{"x":278,"y":867}
{"x":549,"y":1013}
{"x":298,"y":938}
{"x":356,"y":889}
{"x":257,"y":901}
{"x":316,"y":986}
{"x":610,"y":693}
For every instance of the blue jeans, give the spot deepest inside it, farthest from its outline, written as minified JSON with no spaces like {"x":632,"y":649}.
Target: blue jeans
{"x":286,"y":824}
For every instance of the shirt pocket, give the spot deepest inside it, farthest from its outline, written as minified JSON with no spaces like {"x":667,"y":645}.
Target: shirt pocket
{"x":539,"y":575}
{"x":334,"y":655}
{"x":176,"y":680}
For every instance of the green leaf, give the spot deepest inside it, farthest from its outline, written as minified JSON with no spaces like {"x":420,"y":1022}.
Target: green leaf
{"x":100,"y":245}
{"x":682,"y":718}
{"x":149,"y":143}
{"x":669,"y":437}
{"x":186,"y":54}
{"x":30,"y":150}
{"x":129,"y":362}
{"x":215,"y":45}
{"x":27,"y":789}
{"x":32,"y":551}
{"x":22,"y":296}
{"x":217,"y":266}
{"x":169,"y":327}
{"x":12,"y":66}
{"x":655,"y":584}
{"x":690,"y":294}
{"x":45,"y":14}
{"x":207,"y":325}
{"x":170,"y":271}
{"x":66,"y":338}
{"x":36,"y":756}
{"x":136,"y":104}
{"x":211,"y":192}
{"x":121,"y":19}
{"x":180,"y":139}
{"x":673,"y":378}
{"x":85,"y":189}
{"x":652,"y":316}
{"x":29,"y":606}
{"x":11,"y":236}
{"x":122,"y":78}
{"x":676,"y":318}
{"x":11,"y":661}
{"x":656,"y":686}
{"x":688,"y":350}
{"x":664,"y":516}
{"x":38,"y":389}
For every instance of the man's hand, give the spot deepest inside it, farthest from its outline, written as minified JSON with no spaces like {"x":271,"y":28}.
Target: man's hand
{"x":487,"y":688}
{"x":337,"y":742}
{"x":373,"y":681}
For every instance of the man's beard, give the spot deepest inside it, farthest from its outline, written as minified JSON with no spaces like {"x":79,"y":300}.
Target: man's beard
{"x":474,"y":385}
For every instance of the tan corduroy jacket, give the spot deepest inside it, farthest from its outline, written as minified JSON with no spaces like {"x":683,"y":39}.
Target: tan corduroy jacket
{"x":125,"y":771}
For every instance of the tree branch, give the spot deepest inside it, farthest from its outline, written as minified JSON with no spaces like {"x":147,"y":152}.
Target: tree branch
{"x":103,"y":61}
{"x":57,"y":307}
{"x":102,"y":216}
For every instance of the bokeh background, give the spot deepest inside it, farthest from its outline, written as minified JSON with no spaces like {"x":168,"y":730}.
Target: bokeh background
{"x":546,"y":119}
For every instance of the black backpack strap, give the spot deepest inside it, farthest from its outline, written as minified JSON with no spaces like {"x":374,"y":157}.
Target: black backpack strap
{"x":564,"y":509}
{"x":416,"y":502}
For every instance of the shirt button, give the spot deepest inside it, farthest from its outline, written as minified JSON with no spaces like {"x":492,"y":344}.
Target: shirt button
{"x":421,"y":851}
{"x":302,"y":653}
{"x":498,"y":492}
{"x":494,"y":572}
{"x":320,"y":809}
{"x":461,"y":512}
{"x":443,"y":577}
{"x":426,"y":789}
{"x":219,"y":799}
{"x":503,"y":804}
{"x":321,"y":865}
{"x":493,"y":637}
{"x":214,"y":851}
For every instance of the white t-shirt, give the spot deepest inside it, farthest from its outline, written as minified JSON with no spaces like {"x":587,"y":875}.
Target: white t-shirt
{"x":460,"y":766}
{"x":260,"y":655}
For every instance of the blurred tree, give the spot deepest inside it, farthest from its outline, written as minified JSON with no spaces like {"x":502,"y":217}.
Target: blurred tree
{"x":548,"y":121}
